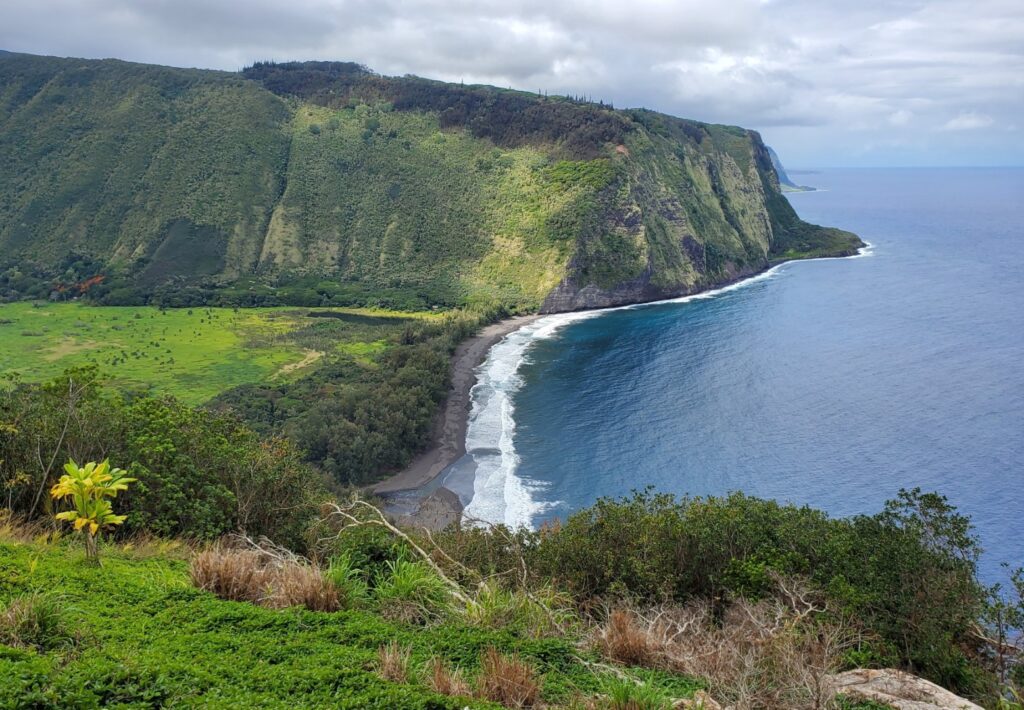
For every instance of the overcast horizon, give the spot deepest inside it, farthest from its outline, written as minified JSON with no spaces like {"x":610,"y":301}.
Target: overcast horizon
{"x":887,"y":84}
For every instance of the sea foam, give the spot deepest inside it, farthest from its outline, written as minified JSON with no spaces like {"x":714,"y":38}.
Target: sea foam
{"x":500,"y":494}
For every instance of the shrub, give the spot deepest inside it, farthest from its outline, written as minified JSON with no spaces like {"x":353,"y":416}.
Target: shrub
{"x":908,"y":574}
{"x":508,"y":680}
{"x":766,"y":654}
{"x":89,"y":487}
{"x":35,"y":621}
{"x":200,"y":475}
{"x":411,"y":591}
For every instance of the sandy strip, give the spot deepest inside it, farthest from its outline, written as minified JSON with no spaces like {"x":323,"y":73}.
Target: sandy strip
{"x":448,"y":443}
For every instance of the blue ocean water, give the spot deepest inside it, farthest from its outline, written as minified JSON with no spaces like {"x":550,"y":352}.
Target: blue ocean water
{"x":832,"y":383}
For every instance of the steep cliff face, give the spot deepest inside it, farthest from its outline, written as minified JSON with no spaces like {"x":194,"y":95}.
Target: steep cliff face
{"x":324,"y":183}
{"x":695,"y":206}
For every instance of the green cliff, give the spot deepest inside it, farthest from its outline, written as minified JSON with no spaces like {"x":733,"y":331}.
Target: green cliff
{"x":324,"y":183}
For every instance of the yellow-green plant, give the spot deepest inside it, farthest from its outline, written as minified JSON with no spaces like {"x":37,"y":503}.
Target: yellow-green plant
{"x":89,"y":487}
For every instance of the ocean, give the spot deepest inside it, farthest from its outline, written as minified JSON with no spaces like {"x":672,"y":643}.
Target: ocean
{"x":832,"y":383}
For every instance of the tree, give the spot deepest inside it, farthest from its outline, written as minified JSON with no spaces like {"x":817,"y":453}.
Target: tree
{"x":89,"y":487}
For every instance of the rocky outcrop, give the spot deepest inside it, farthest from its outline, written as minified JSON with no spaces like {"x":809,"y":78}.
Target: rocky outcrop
{"x":569,"y":296}
{"x":897,"y":689}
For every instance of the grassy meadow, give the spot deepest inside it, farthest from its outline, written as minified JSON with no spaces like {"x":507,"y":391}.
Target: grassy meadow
{"x":193,"y":354}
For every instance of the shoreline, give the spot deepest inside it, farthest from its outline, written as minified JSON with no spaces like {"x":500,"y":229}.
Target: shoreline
{"x":443,"y":507}
{"x":448,"y":441}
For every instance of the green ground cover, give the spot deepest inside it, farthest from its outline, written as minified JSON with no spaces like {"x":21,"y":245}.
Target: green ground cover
{"x":193,"y":354}
{"x":135,"y":633}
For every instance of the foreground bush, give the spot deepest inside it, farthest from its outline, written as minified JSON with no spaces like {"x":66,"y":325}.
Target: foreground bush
{"x":200,"y":475}
{"x":752,"y":655}
{"x":906,"y":576}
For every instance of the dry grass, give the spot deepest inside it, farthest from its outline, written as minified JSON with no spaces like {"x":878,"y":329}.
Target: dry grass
{"x":144,"y":547}
{"x":445,"y":681}
{"x":623,"y":638}
{"x":262,"y":577}
{"x":393,"y":662}
{"x":508,"y":680}
{"x":770,"y":654}
{"x":35,"y":621}
{"x":15,"y":529}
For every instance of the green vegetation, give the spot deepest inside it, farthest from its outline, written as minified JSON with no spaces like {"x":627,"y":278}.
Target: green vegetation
{"x":86,"y":489}
{"x":137,"y":165}
{"x":150,"y":639}
{"x":357,"y":412}
{"x":323,"y":183}
{"x":359,"y":416}
{"x":377,"y":617}
{"x":199,"y":474}
{"x":193,"y":354}
{"x":355,"y":390}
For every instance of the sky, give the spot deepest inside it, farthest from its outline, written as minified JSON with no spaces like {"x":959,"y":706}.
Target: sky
{"x":826,"y":82}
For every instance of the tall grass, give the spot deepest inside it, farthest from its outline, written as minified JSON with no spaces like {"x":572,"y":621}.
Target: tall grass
{"x":37,"y":621}
{"x":509,"y":680}
{"x":445,"y":680}
{"x":393,"y":662}
{"x":348,"y":582}
{"x":262,"y":578}
{"x":411,"y":592}
{"x":625,"y":694}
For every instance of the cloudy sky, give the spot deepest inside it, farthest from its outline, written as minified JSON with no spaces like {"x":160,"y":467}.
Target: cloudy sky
{"x":827,"y":82}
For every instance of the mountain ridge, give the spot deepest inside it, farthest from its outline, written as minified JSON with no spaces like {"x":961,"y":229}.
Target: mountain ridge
{"x":324,"y":183}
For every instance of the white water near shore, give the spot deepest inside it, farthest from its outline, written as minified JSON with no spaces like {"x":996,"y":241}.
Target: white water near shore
{"x":500,"y":495}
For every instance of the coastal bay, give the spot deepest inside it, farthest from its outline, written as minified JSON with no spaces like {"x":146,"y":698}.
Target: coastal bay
{"x":808,"y":384}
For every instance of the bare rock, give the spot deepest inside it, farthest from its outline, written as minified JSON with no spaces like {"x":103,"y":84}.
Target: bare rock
{"x":897,"y":689}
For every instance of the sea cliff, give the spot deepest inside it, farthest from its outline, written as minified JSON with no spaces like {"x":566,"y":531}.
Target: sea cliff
{"x":324,"y":183}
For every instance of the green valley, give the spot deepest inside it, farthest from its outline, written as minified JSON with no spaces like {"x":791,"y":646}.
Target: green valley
{"x":194,"y":354}
{"x":233,"y":302}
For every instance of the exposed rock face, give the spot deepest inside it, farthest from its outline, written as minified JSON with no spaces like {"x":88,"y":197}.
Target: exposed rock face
{"x":691,"y":209}
{"x":897,"y":689}
{"x":568,"y":296}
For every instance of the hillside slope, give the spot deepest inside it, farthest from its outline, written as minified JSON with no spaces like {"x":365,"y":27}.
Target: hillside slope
{"x":324,"y":183}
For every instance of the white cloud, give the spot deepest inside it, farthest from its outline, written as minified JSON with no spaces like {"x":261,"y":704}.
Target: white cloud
{"x":900,"y":117}
{"x":818,"y":77}
{"x":968,"y":121}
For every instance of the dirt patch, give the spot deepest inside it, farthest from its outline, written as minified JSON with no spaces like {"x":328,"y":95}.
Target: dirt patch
{"x":69,"y":346}
{"x":308,"y":359}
